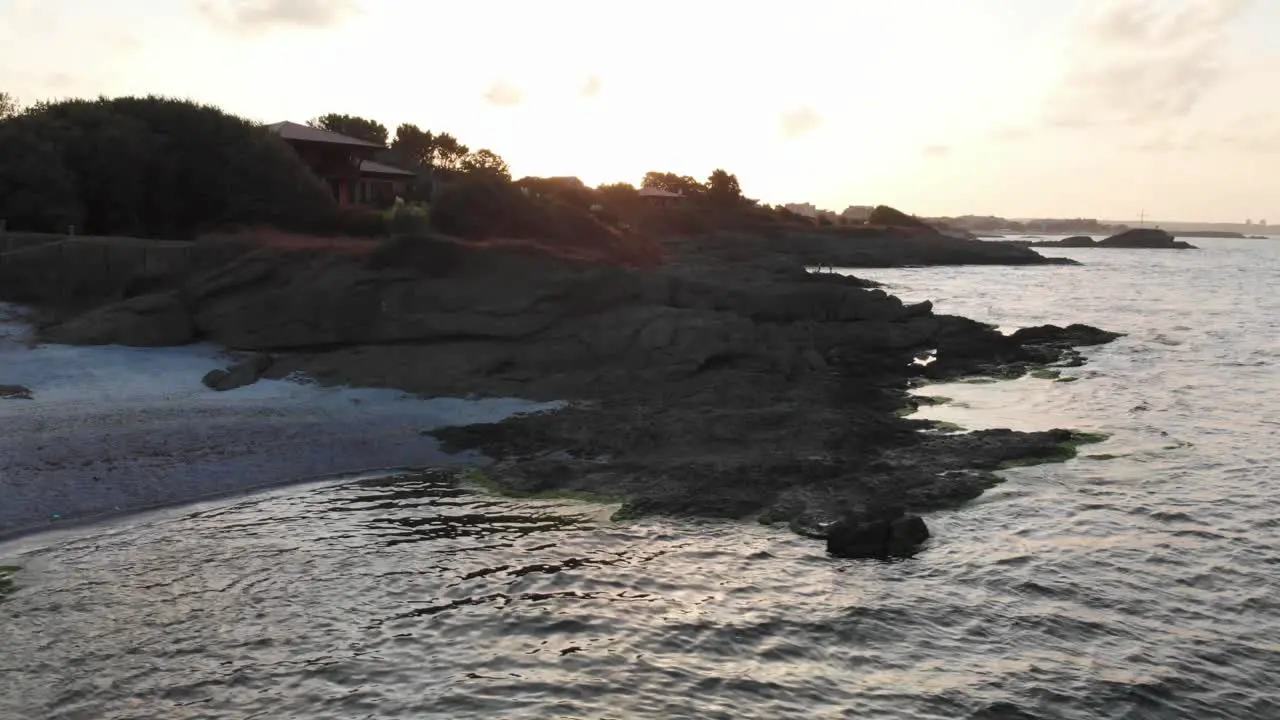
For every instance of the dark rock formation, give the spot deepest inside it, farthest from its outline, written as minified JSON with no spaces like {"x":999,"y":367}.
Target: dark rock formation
{"x":156,"y":320}
{"x":881,"y":537}
{"x":965,"y":347}
{"x":239,"y":375}
{"x":14,"y":392}
{"x":1142,"y":238}
{"x":729,"y":382}
{"x":1145,"y":238}
{"x":1075,"y":335}
{"x":1077,"y":241}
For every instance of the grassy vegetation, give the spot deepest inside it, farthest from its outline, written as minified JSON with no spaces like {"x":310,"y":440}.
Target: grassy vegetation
{"x":915,"y":402}
{"x":7,"y":586}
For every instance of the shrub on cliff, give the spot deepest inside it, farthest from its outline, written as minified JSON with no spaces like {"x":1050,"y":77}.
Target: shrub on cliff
{"x":487,"y":208}
{"x":150,"y":167}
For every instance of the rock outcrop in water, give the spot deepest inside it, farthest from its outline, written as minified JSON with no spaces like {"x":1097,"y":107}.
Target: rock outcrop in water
{"x":881,"y":537}
{"x":1140,"y":238}
{"x":729,"y":382}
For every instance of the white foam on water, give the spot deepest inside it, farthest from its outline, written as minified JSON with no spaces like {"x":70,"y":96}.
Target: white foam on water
{"x":113,"y":428}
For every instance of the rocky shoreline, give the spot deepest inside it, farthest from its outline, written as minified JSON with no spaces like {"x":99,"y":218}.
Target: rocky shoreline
{"x":727,"y":382}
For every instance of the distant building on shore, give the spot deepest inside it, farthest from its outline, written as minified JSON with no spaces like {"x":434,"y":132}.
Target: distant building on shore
{"x":661,"y":198}
{"x":346,"y":165}
{"x":857,"y":213}
{"x":810,"y":210}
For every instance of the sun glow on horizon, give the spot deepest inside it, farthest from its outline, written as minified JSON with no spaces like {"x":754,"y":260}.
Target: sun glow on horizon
{"x":994,"y":106}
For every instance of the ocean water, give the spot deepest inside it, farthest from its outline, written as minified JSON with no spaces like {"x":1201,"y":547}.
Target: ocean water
{"x":1137,"y":581}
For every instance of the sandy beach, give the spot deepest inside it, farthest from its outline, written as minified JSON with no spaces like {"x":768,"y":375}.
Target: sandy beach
{"x":114,"y":429}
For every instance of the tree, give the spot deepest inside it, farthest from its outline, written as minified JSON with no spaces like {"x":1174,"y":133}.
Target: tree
{"x":353,"y":126}
{"x":448,"y":152}
{"x":723,"y":189}
{"x":618,"y":193}
{"x":671,"y":182}
{"x":486,"y":162}
{"x":8,"y":105}
{"x":414,"y":145}
{"x":151,"y":167}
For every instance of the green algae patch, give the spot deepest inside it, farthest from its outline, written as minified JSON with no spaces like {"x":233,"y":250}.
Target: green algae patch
{"x":915,"y":402}
{"x":1062,"y":452}
{"x":1104,"y":456}
{"x":1046,"y":374}
{"x":979,"y":381}
{"x":7,"y":585}
{"x":1067,"y":379}
{"x":944,"y":426}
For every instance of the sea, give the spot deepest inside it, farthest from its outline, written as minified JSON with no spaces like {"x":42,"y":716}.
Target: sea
{"x":1139,"y":580}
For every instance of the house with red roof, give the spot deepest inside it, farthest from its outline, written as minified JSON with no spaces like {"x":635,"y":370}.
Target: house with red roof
{"x":346,"y":164}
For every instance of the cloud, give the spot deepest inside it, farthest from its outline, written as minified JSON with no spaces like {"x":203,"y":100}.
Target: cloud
{"x":800,"y":122}
{"x":937,"y":151}
{"x":503,"y":94}
{"x":592,"y":87}
{"x":1139,"y":61}
{"x":1249,"y":134}
{"x":59,"y":81}
{"x":1010,"y":134}
{"x":261,"y":15}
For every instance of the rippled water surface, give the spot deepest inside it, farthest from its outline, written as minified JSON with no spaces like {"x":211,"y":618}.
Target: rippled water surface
{"x":1137,"y":582}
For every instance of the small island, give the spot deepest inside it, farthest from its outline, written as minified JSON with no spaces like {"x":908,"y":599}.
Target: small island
{"x":1137,"y":238}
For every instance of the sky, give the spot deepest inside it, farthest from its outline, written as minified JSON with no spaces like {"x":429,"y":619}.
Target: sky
{"x":1019,"y":108}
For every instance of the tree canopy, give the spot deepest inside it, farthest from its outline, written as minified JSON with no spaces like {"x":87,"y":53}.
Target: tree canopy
{"x":671,"y":182}
{"x":8,"y":105}
{"x":353,"y":126}
{"x":149,"y":167}
{"x":723,"y":189}
{"x":486,"y":162}
{"x":449,"y":153}
{"x":414,"y":146}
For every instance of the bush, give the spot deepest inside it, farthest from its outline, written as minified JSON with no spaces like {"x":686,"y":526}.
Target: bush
{"x":484,"y":208}
{"x":150,"y":167}
{"x":409,"y":219}
{"x":358,"y":222}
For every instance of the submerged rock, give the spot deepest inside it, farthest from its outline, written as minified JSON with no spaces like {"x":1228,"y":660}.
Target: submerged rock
{"x":239,"y":375}
{"x":1075,"y":335}
{"x":14,"y":392}
{"x":880,"y":538}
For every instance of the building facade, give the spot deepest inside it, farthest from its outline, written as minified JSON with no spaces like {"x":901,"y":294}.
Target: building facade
{"x":346,"y":165}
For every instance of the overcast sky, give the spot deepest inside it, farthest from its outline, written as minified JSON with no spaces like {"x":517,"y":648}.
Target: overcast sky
{"x":1098,"y":108}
